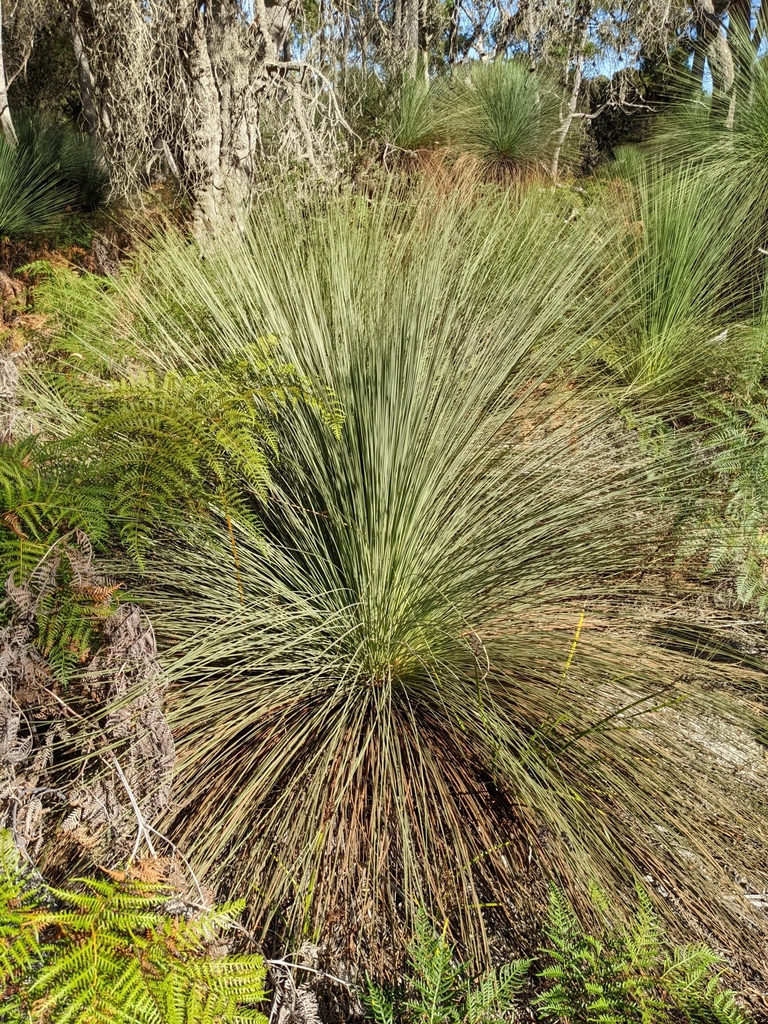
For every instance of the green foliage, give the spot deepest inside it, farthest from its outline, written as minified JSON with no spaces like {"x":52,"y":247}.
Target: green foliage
{"x":398,"y":112}
{"x":167,"y":449}
{"x":499,"y":113}
{"x":392,"y":646}
{"x":441,"y":990}
{"x":70,"y":157}
{"x":170,"y":449}
{"x":503,"y":114}
{"x":49,"y":83}
{"x":47,"y":521}
{"x":728,"y":525}
{"x":623,"y":974}
{"x":619,"y":974}
{"x":38,"y":505}
{"x":726,"y":138}
{"x":687,"y":295}
{"x":413,"y":124}
{"x":30,"y":197}
{"x":112,"y":951}
{"x":20,"y":928}
{"x":48,"y":168}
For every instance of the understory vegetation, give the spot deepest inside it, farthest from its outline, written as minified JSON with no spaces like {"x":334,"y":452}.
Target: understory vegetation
{"x":383,"y":542}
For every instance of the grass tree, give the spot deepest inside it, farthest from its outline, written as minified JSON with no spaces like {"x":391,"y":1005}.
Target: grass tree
{"x":687,"y":293}
{"x":726,"y":138}
{"x":44,"y":169}
{"x":504,"y":115}
{"x":420,"y":682}
{"x":397,"y":111}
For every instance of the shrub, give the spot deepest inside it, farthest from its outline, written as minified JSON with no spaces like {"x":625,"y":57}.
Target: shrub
{"x":619,"y":974}
{"x":398,"y":112}
{"x":439,"y":989}
{"x":503,"y":115}
{"x":687,"y":296}
{"x":49,"y":168}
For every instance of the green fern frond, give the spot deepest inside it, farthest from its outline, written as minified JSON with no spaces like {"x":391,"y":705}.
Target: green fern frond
{"x":170,"y":448}
{"x":490,"y":997}
{"x":38,"y":505}
{"x":440,"y":989}
{"x":379,"y":1004}
{"x":103,"y":951}
{"x":628,"y":974}
{"x":435,"y":975}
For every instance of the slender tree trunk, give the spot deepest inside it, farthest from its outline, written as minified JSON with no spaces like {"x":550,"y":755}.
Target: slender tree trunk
{"x":570,"y":113}
{"x":453,"y":34}
{"x":85,"y":78}
{"x":411,"y":35}
{"x":567,"y":116}
{"x":406,"y":36}
{"x":723,"y":68}
{"x":6,"y":122}
{"x":274,"y":19}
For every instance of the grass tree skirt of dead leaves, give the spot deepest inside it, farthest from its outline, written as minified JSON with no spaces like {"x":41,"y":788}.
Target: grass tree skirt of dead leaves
{"x":85,"y":757}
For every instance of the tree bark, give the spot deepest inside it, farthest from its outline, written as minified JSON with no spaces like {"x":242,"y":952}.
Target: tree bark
{"x":567,"y":116}
{"x":6,"y":122}
{"x":411,"y":35}
{"x":570,"y":113}
{"x":85,"y":77}
{"x":406,"y":36}
{"x":208,"y":119}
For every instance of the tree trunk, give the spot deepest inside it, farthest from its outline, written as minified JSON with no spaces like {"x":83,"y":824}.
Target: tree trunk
{"x":208,"y":120}
{"x":85,"y":78}
{"x":406,"y":36}
{"x":411,"y":36}
{"x":453,"y":34}
{"x":568,"y":116}
{"x":6,"y":122}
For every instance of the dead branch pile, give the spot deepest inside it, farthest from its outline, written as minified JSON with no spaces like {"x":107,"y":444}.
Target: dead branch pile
{"x":86,"y":762}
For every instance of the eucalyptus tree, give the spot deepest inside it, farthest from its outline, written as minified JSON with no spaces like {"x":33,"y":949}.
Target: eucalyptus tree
{"x":182,"y":88}
{"x":20,"y":23}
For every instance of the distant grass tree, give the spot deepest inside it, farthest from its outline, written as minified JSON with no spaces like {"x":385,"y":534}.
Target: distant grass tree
{"x":46,"y":169}
{"x":727,"y":140}
{"x":687,"y":294}
{"x":503,"y":115}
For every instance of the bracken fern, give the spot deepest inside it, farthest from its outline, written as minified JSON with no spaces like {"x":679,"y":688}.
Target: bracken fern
{"x":628,"y":973}
{"x":108,"y":951}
